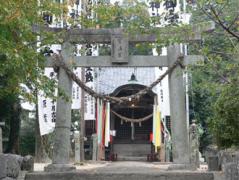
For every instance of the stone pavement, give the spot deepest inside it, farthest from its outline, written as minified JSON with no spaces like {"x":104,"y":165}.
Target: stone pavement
{"x":121,"y":171}
{"x":119,"y":166}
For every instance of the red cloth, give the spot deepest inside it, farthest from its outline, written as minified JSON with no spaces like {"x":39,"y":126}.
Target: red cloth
{"x":151,"y":137}
{"x":111,"y":139}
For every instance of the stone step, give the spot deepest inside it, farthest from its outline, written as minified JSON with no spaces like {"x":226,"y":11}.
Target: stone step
{"x":138,"y":150}
{"x":123,"y":170}
{"x":141,"y":175}
{"x":132,"y":158}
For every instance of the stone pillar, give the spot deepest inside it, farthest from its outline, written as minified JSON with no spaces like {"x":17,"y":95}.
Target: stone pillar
{"x":177,"y":97}
{"x":162,"y":153}
{"x":194,"y":145}
{"x":95,"y":147}
{"x":61,"y":148}
{"x":132,"y":131}
{"x":77,"y":146}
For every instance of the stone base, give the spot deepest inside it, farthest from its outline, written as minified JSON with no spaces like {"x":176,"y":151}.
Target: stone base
{"x":173,"y":167}
{"x":213,"y":163}
{"x":59,"y":168}
{"x":219,"y":175}
{"x":122,"y":175}
{"x":8,"y":178}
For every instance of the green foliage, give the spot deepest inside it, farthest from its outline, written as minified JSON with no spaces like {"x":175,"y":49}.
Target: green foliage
{"x":200,"y":106}
{"x":225,"y":122}
{"x":19,"y":60}
{"x":20,"y":63}
{"x":214,"y":87}
{"x":133,"y":16}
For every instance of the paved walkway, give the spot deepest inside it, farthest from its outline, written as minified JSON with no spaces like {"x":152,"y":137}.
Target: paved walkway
{"x":122,"y":170}
{"x":120,"y":166}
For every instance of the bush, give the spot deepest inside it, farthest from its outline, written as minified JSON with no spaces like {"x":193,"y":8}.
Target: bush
{"x":225,"y":122}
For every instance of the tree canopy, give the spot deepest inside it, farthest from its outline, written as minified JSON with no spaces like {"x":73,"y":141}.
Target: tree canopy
{"x":20,"y":61}
{"x":214,"y":85}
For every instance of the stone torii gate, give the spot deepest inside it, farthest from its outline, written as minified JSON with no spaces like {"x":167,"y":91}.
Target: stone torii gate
{"x":120,"y":58}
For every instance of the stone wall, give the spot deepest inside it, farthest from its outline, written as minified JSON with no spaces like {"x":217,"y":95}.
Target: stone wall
{"x":11,"y":165}
{"x":229,"y":163}
{"x":226,"y":161}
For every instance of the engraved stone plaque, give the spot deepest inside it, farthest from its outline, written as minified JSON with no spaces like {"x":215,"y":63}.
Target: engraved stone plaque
{"x":119,"y":49}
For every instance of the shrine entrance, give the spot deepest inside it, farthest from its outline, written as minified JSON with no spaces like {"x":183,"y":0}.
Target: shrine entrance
{"x":132,"y":123}
{"x":119,"y":40}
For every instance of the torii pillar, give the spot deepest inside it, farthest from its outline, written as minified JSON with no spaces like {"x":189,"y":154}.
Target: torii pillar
{"x":177,"y":97}
{"x":61,"y":150}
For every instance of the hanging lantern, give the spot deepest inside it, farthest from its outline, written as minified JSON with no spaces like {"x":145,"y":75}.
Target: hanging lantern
{"x":121,"y":122}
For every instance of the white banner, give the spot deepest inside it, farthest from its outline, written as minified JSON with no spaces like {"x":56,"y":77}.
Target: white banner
{"x":76,"y":91}
{"x":89,"y":101}
{"x":47,"y":106}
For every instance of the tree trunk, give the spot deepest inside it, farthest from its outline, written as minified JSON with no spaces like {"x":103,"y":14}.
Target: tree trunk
{"x":15,"y":123}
